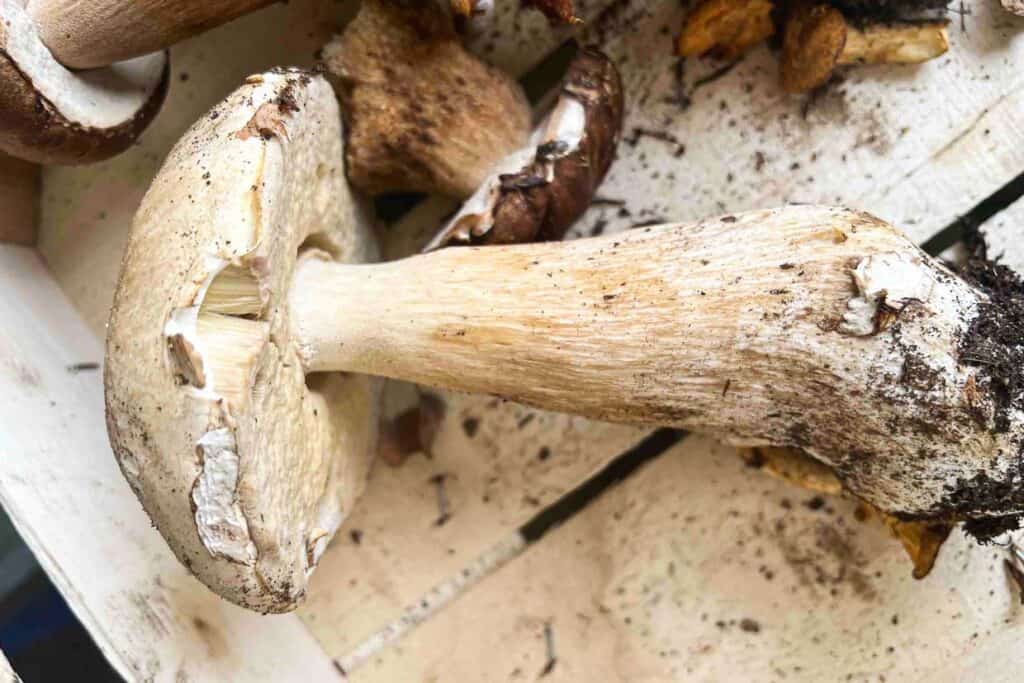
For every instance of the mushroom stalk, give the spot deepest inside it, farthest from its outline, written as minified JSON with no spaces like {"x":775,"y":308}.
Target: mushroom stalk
{"x":894,"y":43}
{"x":804,"y":326}
{"x":85,"y":34}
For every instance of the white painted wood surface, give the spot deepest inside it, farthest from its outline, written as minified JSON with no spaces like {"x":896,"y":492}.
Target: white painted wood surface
{"x":699,"y":568}
{"x":62,"y":489}
{"x":918,"y":178}
{"x":7,"y":674}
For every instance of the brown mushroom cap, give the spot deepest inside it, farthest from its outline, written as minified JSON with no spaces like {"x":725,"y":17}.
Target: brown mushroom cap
{"x":812,"y":42}
{"x":246,"y":466}
{"x":421,"y":113}
{"x":51,"y":115}
{"x":537,"y":193}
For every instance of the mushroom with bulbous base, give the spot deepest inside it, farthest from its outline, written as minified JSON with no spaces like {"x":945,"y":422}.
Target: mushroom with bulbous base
{"x":247,"y":329}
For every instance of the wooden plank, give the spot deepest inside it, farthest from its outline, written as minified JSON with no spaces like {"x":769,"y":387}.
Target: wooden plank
{"x":19,"y":200}
{"x":699,"y":568}
{"x":916,"y":145}
{"x":62,"y":489}
{"x":7,"y":674}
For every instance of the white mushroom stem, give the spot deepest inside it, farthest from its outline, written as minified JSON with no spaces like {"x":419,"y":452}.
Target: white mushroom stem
{"x":894,"y":43}
{"x":89,"y":33}
{"x":19,"y":200}
{"x":792,"y":327}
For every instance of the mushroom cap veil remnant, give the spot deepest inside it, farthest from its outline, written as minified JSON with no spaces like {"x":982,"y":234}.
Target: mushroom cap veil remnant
{"x":51,"y":115}
{"x":246,"y":466}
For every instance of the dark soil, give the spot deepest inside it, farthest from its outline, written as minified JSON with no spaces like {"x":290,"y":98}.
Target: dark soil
{"x":993,"y":345}
{"x":889,"y":10}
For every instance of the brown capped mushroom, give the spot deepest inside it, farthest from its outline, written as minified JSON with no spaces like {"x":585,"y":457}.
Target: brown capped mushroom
{"x":19,"y":199}
{"x":245,"y":332}
{"x":817,"y":39}
{"x":51,"y":115}
{"x":727,"y":28}
{"x":86,"y":34}
{"x":422,"y":114}
{"x":537,"y":193}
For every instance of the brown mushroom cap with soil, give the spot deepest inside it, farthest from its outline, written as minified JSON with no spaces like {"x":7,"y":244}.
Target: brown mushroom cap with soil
{"x":52,"y":115}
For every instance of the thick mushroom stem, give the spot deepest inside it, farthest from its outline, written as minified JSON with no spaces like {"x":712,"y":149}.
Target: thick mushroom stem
{"x":85,"y":34}
{"x":804,"y":326}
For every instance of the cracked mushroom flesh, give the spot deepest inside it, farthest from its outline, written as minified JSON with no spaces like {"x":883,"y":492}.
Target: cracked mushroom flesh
{"x":244,"y":464}
{"x":422,"y":114}
{"x":50,"y":114}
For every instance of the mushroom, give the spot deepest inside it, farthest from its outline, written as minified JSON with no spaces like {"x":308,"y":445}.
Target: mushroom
{"x":87,"y":34}
{"x":245,"y":465}
{"x":246,"y":331}
{"x":728,"y":28}
{"x":817,"y":39}
{"x":49,"y":114}
{"x":19,"y":197}
{"x":422,"y":114}
{"x":538,"y":192}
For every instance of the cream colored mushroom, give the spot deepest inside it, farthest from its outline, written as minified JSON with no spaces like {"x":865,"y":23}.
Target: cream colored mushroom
{"x":49,"y":114}
{"x":422,"y":114}
{"x":245,"y":464}
{"x":245,"y":332}
{"x":817,"y":39}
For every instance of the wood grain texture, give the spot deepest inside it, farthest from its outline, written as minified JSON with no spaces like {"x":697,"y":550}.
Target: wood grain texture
{"x":84,"y":34}
{"x":61,"y":487}
{"x":19,"y":200}
{"x":699,"y":568}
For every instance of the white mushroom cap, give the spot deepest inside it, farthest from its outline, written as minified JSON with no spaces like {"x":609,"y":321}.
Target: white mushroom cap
{"x":246,"y":466}
{"x":49,"y":114}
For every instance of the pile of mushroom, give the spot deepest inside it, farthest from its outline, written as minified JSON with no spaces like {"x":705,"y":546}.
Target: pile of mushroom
{"x":818,"y":35}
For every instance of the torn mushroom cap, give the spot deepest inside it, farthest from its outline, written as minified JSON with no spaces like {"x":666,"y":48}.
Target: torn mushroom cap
{"x":817,"y":38}
{"x":422,"y":113}
{"x":51,"y":115}
{"x":244,"y":466}
{"x":538,"y":192}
